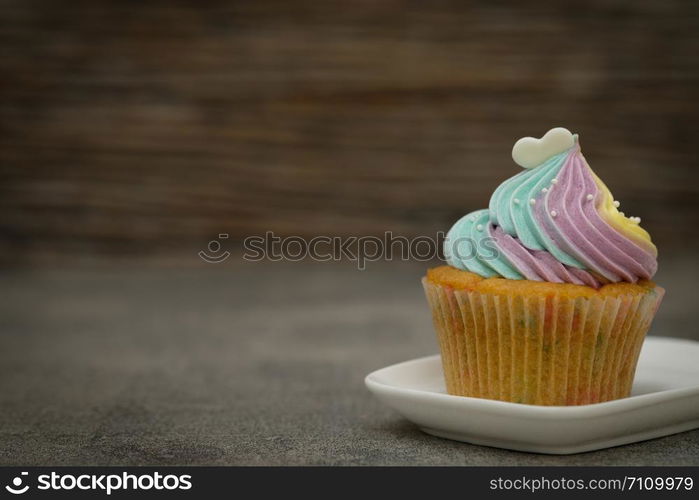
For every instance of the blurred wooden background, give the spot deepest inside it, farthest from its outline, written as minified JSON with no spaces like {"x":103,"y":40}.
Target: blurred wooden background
{"x":145,"y":128}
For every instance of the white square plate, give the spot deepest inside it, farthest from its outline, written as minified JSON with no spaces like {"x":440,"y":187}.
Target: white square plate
{"x":664,"y":400}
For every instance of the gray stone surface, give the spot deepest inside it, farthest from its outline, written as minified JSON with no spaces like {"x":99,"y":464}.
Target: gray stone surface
{"x":241,"y":364}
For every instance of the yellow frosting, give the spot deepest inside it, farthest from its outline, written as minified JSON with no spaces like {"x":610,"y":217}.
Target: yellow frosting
{"x":624,"y":225}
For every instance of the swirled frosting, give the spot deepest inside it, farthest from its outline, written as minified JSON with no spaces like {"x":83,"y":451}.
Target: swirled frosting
{"x":555,"y":221}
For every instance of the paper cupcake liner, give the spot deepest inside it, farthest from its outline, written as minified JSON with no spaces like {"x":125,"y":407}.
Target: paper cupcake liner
{"x":540,"y":350}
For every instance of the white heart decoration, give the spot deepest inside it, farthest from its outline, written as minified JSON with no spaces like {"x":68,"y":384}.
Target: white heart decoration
{"x":529,"y":152}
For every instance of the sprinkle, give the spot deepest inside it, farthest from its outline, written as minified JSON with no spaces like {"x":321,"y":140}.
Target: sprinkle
{"x":616,"y":203}
{"x":554,"y":181}
{"x":553,"y":213}
{"x":590,"y":197}
{"x":544,"y":190}
{"x":532,"y":201}
{"x":479,"y":227}
{"x":516,"y":201}
{"x":622,"y":214}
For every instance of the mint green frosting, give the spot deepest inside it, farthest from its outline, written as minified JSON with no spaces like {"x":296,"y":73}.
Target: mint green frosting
{"x":464,"y":249}
{"x":510,"y":208}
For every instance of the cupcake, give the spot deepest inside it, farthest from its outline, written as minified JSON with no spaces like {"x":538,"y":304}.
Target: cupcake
{"x":547,"y":295}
